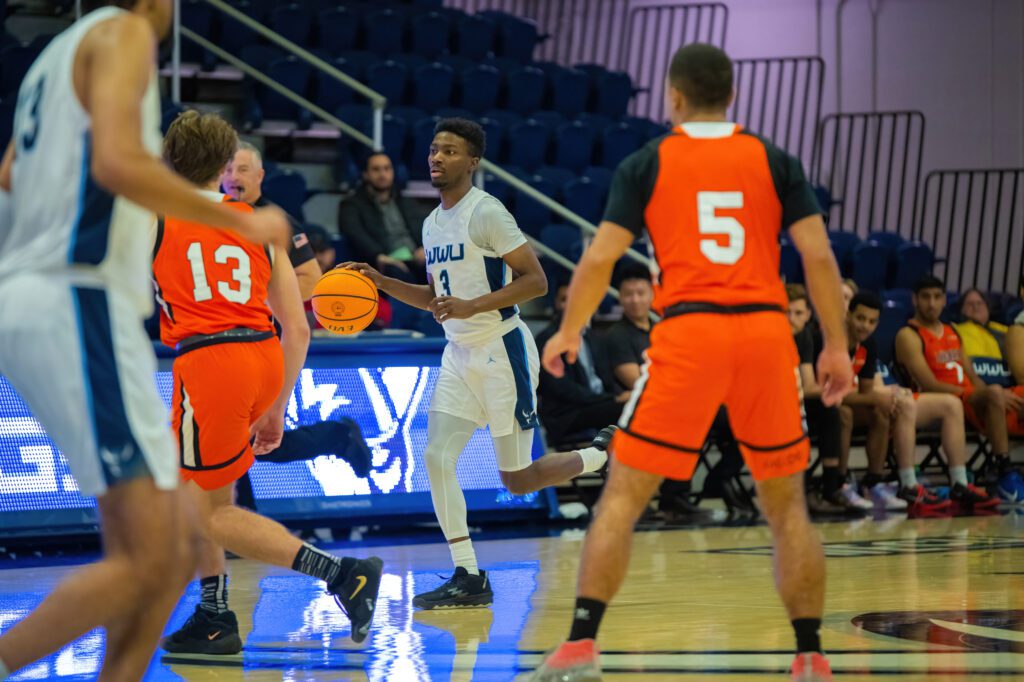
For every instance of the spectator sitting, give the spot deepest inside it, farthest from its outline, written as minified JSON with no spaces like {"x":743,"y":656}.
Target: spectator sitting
{"x":629,"y":338}
{"x":1015,"y":343}
{"x":383,"y":227}
{"x":577,"y":402}
{"x":984,"y":340}
{"x":931,"y":354}
{"x":243,"y":180}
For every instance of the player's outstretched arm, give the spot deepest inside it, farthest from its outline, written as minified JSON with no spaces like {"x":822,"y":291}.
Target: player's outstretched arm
{"x":112,"y":72}
{"x":823,"y":283}
{"x":586,"y":290}
{"x":286,"y":304}
{"x":416,"y":295}
{"x":910,"y":354}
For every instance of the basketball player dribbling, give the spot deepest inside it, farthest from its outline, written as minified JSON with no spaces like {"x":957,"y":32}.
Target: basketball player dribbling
{"x":219,"y":295}
{"x":480,"y":267}
{"x":84,"y":180}
{"x":713,"y":199}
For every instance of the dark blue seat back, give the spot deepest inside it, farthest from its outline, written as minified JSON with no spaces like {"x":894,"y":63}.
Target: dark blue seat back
{"x":893,"y":317}
{"x":525,"y":90}
{"x":481,"y":86}
{"x":531,"y":215}
{"x":584,"y":198}
{"x":569,"y":92}
{"x":528,"y":145}
{"x":790,"y":266}
{"x":422,"y":136}
{"x":294,"y":74}
{"x":613,"y":90}
{"x":287,"y":190}
{"x":433,"y":86}
{"x":913,"y":261}
{"x":337,"y":29}
{"x":565,"y":240}
{"x":475,"y":37}
{"x":574,"y":146}
{"x":618,"y":141}
{"x":384,"y":31}
{"x":843,"y":244}
{"x":389,"y":78}
{"x":600,"y":176}
{"x":430,"y":35}
{"x":870,"y":264}
{"x":293,"y":22}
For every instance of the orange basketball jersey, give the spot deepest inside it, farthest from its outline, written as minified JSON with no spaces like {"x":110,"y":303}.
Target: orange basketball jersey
{"x":859,"y":359}
{"x":944,"y":355}
{"x":208,"y":280}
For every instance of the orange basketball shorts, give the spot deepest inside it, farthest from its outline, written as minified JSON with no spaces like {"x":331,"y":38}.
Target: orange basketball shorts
{"x":219,"y":391}
{"x":699,"y":361}
{"x":1014,"y":422}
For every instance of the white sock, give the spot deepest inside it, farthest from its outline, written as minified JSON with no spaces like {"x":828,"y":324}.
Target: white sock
{"x":958,"y":475}
{"x":463,"y":555}
{"x":908,"y":479}
{"x":593,"y":459}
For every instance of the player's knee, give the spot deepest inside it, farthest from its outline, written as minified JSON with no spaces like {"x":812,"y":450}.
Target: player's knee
{"x":881,"y":416}
{"x":952,"y":407}
{"x":846,"y":417}
{"x":995,"y":396}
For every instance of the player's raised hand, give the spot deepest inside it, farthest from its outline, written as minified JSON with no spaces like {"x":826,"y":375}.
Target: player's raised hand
{"x":451,"y":308}
{"x":363,"y":269}
{"x":835,"y":374}
{"x":559,"y":344}
{"x":268,"y":226}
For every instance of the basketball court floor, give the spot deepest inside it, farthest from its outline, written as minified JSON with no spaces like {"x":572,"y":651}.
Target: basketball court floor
{"x":911,"y":600}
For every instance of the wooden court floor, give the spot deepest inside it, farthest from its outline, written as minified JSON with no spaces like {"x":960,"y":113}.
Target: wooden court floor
{"x":910,"y":600}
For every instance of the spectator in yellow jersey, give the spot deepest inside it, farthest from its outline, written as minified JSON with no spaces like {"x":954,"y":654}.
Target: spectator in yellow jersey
{"x":984,"y":340}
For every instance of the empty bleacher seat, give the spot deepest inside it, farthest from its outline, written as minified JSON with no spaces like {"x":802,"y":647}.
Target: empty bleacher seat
{"x":574,"y":146}
{"x":433,"y":86}
{"x":613,"y":90}
{"x":584,"y":198}
{"x":337,"y":29}
{"x":292,"y":21}
{"x":903,"y":297}
{"x":599,"y":122}
{"x":532,"y":215}
{"x":430,"y":37}
{"x":564,"y":240}
{"x":495,"y":132}
{"x":790,"y":265}
{"x":459,"y":63}
{"x":235,"y":36}
{"x":288,"y":190}
{"x":411,"y":115}
{"x":517,"y":36}
{"x":913,"y":261}
{"x":356,"y":115}
{"x":558,"y":177}
{"x":890,"y":241}
{"x":199,"y":17}
{"x":500,"y":190}
{"x":600,"y":176}
{"x":528,"y":143}
{"x":422,"y":136}
{"x":869,"y":265}
{"x":389,"y":78}
{"x":893,"y":317}
{"x":359,"y":61}
{"x":330,"y":93}
{"x":481,"y":86}
{"x":410,"y":61}
{"x":617,"y":142}
{"x":843,"y":244}
{"x":475,"y":37}
{"x":384,"y":31}
{"x":525,"y":90}
{"x":294,"y":74}
{"x":454,"y":112}
{"x":569,"y":92}
{"x":505,"y":117}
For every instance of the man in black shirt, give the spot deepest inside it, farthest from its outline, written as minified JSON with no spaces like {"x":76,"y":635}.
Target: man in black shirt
{"x":384,"y":228}
{"x":627,"y":339}
{"x":243,"y":180}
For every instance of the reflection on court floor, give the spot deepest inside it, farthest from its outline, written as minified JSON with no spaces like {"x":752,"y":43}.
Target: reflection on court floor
{"x":936,"y":599}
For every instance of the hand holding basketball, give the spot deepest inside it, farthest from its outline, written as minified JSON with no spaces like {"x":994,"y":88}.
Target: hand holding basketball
{"x":363,"y":269}
{"x":345,"y":300}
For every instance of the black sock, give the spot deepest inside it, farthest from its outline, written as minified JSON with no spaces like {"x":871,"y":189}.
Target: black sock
{"x":214,"y":594}
{"x":586,"y":619}
{"x":870,"y":480}
{"x":831,"y":480}
{"x":807,"y":638}
{"x":322,"y":565}
{"x":1002,"y":464}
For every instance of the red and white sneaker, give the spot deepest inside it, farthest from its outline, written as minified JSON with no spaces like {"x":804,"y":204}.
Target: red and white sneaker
{"x":577,"y":661}
{"x":922,"y":502}
{"x":810,"y":667}
{"x":970,"y":499}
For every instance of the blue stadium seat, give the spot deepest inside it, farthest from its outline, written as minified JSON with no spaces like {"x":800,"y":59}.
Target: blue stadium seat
{"x":584,"y":198}
{"x":517,"y":36}
{"x":505,"y":117}
{"x":913,"y":261}
{"x":235,"y":36}
{"x":7,"y":120}
{"x":525,"y":90}
{"x":790,"y":266}
{"x":903,"y":297}
{"x":384,"y":31}
{"x":599,"y":122}
{"x":432,"y":86}
{"x":287,"y":189}
{"x":260,"y":56}
{"x":475,"y":37}
{"x":565,"y":240}
{"x":458,"y":63}
{"x":569,"y":92}
{"x":430,"y":37}
{"x":500,"y":190}
{"x":843,"y":244}
{"x":337,"y":29}
{"x":359,"y":62}
{"x":613,"y":92}
{"x":558,"y":177}
{"x":389,"y":78}
{"x":549,"y":119}
{"x":528,"y":143}
{"x":893,"y":317}
{"x":330,"y":93}
{"x":260,"y":9}
{"x":410,"y":61}
{"x":642,"y":126}
{"x":618,"y":141}
{"x":15,"y":61}
{"x":453,"y":112}
{"x":574,"y":146}
{"x":294,"y":74}
{"x":869,"y":266}
{"x":411,"y":115}
{"x":495,"y":132}
{"x":293,"y":22}
{"x":890,"y":241}
{"x":356,"y":115}
{"x":394,"y":136}
{"x":480,"y":88}
{"x":199,"y":17}
{"x":600,"y":176}
{"x":422,"y":136}
{"x":531,"y":215}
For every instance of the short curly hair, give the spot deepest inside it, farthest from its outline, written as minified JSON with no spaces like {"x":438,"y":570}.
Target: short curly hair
{"x":470,"y":131}
{"x":198,"y":146}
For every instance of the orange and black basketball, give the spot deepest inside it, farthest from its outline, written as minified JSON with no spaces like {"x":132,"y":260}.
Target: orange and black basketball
{"x":345,"y":301}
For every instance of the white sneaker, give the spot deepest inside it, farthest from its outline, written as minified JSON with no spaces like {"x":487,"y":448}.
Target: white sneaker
{"x":885,"y":498}
{"x":853,"y":498}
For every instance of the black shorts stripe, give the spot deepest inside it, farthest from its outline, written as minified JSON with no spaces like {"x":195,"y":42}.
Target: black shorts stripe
{"x":661,"y":443}
{"x":220,"y":465}
{"x":772,"y":448}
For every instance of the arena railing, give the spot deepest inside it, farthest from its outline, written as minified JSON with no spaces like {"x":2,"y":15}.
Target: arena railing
{"x":586,"y":227}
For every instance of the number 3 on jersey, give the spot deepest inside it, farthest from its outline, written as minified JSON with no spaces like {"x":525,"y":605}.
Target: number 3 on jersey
{"x":445,"y":284}
{"x":708,"y":222}
{"x":241,"y":274}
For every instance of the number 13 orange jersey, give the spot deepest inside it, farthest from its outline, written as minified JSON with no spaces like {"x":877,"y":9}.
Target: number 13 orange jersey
{"x":713,"y":199}
{"x":208,"y":280}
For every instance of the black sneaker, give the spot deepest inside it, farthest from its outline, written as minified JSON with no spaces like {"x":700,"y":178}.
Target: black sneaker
{"x":604,"y":438}
{"x":356,"y":452}
{"x":357,"y":595}
{"x":461,"y":591}
{"x":205,"y":633}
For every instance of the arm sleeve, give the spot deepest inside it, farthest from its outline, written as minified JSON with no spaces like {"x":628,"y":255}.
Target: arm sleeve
{"x":794,"y":191}
{"x":494,"y":229}
{"x":299,"y":250}
{"x":631,"y":189}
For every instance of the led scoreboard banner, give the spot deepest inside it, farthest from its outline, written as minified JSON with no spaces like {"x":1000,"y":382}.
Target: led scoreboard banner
{"x":384,"y":384}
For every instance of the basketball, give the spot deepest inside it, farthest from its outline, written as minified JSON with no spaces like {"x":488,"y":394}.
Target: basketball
{"x":345,"y":301}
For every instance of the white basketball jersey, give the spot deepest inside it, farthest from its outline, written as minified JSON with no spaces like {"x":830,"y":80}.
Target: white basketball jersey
{"x":62,"y":221}
{"x":464,"y":270}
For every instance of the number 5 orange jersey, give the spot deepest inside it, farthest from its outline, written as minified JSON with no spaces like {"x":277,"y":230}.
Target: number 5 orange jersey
{"x":209,"y":281}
